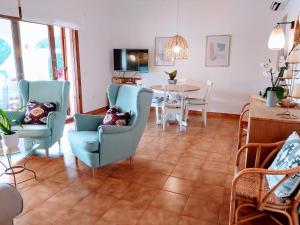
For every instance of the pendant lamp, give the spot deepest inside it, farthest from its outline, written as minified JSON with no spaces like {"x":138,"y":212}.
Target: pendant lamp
{"x":177,"y":47}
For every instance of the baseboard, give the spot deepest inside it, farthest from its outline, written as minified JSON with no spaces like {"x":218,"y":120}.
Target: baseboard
{"x":210,"y":114}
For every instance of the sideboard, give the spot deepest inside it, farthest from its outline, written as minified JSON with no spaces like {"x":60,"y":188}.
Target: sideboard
{"x":265,"y":126}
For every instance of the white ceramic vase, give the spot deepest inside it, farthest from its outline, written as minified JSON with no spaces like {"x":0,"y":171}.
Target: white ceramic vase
{"x":12,"y":140}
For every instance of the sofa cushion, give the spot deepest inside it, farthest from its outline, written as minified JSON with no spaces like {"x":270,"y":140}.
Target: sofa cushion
{"x":288,"y":157}
{"x":86,"y":140}
{"x":115,"y":117}
{"x":37,"y":113}
{"x":33,"y":131}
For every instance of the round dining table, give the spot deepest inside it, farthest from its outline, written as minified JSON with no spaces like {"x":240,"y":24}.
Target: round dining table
{"x":175,"y":88}
{"x":181,"y":89}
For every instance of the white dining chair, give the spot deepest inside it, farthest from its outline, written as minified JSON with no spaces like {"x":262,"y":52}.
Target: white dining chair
{"x":199,"y":104}
{"x":173,"y":104}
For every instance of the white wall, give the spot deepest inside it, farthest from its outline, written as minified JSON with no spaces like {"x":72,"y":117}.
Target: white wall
{"x":137,"y":22}
{"x":91,"y":18}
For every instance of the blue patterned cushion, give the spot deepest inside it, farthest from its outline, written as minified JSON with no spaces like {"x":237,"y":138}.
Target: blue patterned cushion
{"x":288,"y":157}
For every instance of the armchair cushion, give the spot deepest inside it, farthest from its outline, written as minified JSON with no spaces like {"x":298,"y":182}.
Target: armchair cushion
{"x":86,"y":140}
{"x":33,"y":131}
{"x":37,"y":113}
{"x":115,"y":117}
{"x":288,"y":157}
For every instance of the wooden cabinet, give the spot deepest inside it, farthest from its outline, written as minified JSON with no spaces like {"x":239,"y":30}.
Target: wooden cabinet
{"x":265,"y":126}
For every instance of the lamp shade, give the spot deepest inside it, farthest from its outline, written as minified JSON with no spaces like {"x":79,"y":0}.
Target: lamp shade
{"x":296,"y":91}
{"x":277,"y":39}
{"x":177,"y":48}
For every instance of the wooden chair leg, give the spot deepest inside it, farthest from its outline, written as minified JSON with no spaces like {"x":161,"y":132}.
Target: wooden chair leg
{"x":232,"y":211}
{"x":47,"y":153}
{"x":76,"y":160}
{"x":295,"y":214}
{"x":204,"y":117}
{"x":130,"y":161}
{"x":93,"y":172}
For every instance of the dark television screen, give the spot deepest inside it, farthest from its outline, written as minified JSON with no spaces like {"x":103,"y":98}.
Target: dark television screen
{"x":131,"y":60}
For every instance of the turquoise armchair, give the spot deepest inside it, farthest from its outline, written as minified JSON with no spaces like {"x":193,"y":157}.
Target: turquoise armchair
{"x":98,"y":145}
{"x":44,"y":91}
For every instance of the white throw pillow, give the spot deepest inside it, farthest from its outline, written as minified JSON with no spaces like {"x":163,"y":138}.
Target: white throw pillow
{"x":288,"y":157}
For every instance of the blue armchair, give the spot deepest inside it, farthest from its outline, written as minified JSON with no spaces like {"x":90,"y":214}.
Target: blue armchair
{"x":97,"y":145}
{"x":44,"y":91}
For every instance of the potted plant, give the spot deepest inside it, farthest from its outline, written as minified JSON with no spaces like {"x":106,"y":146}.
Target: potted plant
{"x":172,"y":76}
{"x":275,"y":93}
{"x":10,"y":137}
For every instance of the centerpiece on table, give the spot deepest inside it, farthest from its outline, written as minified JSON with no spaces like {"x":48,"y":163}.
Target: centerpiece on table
{"x":172,"y":75}
{"x":276,"y":92}
{"x":10,"y":137}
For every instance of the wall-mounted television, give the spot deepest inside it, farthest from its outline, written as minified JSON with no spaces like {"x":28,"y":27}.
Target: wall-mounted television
{"x":131,"y":60}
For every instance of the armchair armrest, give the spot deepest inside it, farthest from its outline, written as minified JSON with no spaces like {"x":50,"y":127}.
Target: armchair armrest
{"x":87,"y":122}
{"x":15,"y":115}
{"x":107,"y":129}
{"x":258,"y":148}
{"x":53,"y":117}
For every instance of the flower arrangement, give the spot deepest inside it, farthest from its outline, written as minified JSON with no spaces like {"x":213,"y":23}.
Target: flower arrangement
{"x":270,"y":71}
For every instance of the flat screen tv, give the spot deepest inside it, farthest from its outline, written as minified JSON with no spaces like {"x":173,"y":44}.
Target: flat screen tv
{"x":131,"y":60}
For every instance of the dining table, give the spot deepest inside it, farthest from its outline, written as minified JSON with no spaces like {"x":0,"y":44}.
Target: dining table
{"x":179,"y":89}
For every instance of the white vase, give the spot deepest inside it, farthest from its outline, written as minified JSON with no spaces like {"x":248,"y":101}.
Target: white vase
{"x":12,"y":140}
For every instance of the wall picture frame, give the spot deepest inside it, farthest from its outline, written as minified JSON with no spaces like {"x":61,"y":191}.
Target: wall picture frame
{"x":160,"y":53}
{"x":218,"y":50}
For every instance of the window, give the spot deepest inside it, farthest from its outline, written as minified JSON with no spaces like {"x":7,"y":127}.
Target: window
{"x":9,"y":98}
{"x":33,"y":52}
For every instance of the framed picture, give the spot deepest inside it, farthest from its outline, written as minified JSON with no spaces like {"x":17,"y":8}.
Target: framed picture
{"x":217,"y":50}
{"x":160,"y":53}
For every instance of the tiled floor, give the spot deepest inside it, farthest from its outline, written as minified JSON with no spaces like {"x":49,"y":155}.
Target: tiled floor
{"x":175,"y":179}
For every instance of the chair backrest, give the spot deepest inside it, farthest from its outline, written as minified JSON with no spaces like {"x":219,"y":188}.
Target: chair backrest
{"x":133,"y":99}
{"x":45,"y":91}
{"x":209,"y":86}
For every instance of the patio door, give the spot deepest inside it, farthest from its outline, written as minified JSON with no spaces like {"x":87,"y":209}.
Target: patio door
{"x":35,"y":51}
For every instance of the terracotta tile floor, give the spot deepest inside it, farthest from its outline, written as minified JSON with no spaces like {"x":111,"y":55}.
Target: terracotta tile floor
{"x":175,"y":179}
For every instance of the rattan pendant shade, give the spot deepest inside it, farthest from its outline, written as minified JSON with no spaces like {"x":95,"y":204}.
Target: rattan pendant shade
{"x":177,"y":48}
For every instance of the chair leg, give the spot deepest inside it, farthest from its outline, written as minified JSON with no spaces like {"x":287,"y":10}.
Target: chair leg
{"x":186,"y":114}
{"x":93,"y":172}
{"x":47,"y":153}
{"x":232,"y":210}
{"x":204,"y":117}
{"x":163,"y":119}
{"x":59,"y":147}
{"x":295,"y":214}
{"x":76,"y":160}
{"x":130,"y":161}
{"x":157,"y":115}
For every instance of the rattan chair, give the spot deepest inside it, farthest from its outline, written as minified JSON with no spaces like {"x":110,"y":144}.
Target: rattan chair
{"x":243,"y":124}
{"x":250,"y":187}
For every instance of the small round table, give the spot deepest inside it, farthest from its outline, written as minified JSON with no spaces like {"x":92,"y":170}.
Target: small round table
{"x":176,"y":88}
{"x":181,"y":89}
{"x":24,"y":148}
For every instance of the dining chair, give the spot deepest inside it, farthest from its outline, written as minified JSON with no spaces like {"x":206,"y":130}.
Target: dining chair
{"x":199,"y":104}
{"x":243,"y":124}
{"x":173,"y":104}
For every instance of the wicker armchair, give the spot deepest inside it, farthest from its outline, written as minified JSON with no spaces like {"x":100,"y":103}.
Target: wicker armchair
{"x":250,"y":187}
{"x":243,"y":124}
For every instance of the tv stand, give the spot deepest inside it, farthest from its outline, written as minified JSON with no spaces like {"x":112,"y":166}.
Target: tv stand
{"x":122,"y":79}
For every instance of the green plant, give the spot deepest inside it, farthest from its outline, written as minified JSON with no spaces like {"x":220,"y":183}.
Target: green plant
{"x":6,"y":123}
{"x":172,"y":74}
{"x":278,"y":90}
